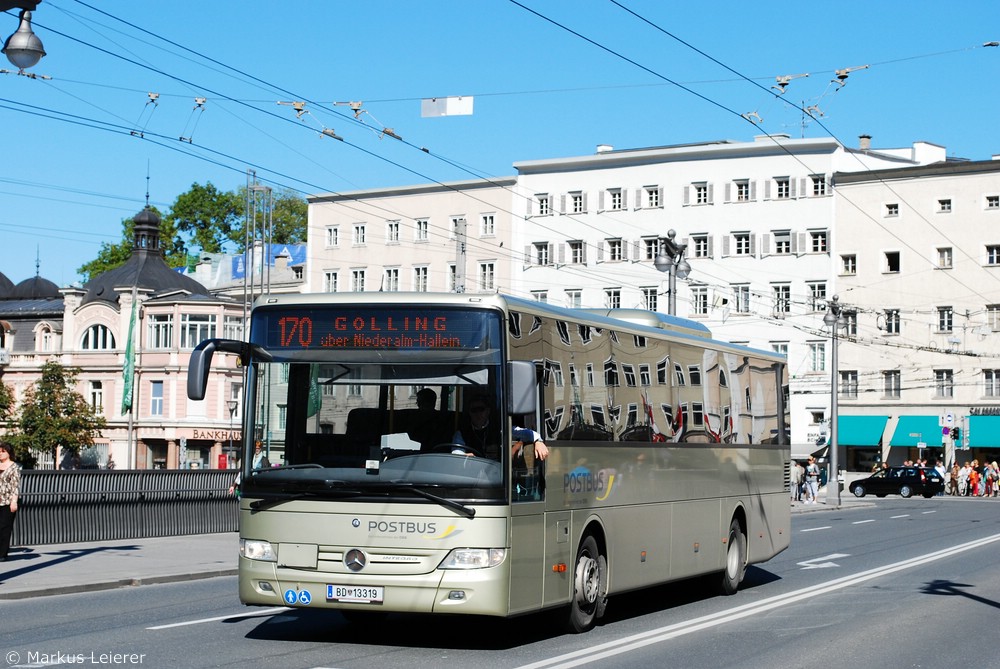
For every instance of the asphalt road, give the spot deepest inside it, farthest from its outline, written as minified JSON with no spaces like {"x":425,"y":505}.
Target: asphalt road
{"x":898,"y":584}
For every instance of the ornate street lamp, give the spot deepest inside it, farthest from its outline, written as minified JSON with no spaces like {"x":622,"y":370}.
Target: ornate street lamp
{"x":671,"y":259}
{"x":23,"y":49}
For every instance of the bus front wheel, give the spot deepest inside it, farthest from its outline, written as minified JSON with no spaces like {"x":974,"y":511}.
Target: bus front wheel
{"x":736,"y":559}
{"x":589,"y":590}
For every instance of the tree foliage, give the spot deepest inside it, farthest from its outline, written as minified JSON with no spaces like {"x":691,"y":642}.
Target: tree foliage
{"x":206,"y":219}
{"x":52,"y":415}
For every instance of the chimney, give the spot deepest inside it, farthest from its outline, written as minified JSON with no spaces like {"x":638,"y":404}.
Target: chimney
{"x":865,"y":142}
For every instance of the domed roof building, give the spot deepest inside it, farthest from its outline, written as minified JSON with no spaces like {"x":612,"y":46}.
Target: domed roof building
{"x":6,"y":285}
{"x":35,"y":288}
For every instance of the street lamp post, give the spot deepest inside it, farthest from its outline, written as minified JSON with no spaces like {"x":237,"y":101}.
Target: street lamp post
{"x":671,"y":259}
{"x":23,"y":49}
{"x":232,"y":404}
{"x":832,"y":320}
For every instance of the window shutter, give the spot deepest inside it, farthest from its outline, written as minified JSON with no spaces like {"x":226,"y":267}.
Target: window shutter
{"x":600,"y":201}
{"x":803,"y":187}
{"x":753,"y":245}
{"x":791,"y":187}
{"x":562,"y":254}
{"x":711,"y":194}
{"x":552,"y":250}
{"x":803,"y":243}
{"x":562,"y":204}
{"x":687,"y":195}
{"x":710,"y":246}
{"x":600,"y":252}
{"x":624,"y":199}
{"x":765,"y":245}
{"x":639,"y":204}
{"x":529,"y":257}
{"x":725,"y":245}
{"x":636,"y":250}
{"x":767,"y":189}
{"x":753,"y":191}
{"x":659,"y":192}
{"x":728,"y":194}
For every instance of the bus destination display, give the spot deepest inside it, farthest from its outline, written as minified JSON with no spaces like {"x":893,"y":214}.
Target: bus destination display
{"x":375,"y":329}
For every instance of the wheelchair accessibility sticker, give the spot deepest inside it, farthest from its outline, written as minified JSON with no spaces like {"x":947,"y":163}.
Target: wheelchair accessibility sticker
{"x":301,"y":597}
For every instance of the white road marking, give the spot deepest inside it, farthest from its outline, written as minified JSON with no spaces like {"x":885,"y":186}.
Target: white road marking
{"x":862,"y":522}
{"x":243,"y":614}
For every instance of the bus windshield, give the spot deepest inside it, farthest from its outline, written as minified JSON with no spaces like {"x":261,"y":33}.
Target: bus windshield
{"x":373,"y":402}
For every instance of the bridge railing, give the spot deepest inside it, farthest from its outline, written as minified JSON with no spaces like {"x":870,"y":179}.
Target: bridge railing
{"x":97,"y":505}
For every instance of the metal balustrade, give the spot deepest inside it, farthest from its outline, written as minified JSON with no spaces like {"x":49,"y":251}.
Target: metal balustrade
{"x":83,"y":505}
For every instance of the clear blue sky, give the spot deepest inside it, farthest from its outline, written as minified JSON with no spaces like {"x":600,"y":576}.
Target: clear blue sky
{"x":77,"y":147}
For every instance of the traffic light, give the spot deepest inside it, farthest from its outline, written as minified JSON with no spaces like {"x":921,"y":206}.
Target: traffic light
{"x":956,"y":434}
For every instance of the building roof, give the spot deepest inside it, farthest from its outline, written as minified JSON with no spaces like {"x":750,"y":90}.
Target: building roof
{"x":145,"y":269}
{"x":34,"y":288}
{"x":6,"y":285}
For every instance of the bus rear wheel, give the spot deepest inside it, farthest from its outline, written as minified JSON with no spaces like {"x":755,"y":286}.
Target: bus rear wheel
{"x":736,"y":559}
{"x":589,"y":591}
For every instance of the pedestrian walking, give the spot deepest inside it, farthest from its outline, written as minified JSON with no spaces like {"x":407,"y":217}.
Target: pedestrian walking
{"x":10,"y":490}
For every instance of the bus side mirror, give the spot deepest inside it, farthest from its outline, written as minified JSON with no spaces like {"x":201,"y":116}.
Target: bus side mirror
{"x":522,"y":387}
{"x":201,"y":362}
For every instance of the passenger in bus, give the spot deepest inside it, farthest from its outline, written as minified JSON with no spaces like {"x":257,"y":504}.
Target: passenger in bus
{"x":260,"y":461}
{"x":480,"y":432}
{"x":429,"y":426}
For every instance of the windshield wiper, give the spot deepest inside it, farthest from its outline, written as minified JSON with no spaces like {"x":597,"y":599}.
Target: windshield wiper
{"x":466,"y":511}
{"x":299,"y":491}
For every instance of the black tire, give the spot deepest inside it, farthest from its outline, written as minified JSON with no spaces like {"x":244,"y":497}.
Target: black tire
{"x":859,"y":490}
{"x":589,"y":587}
{"x":905,"y":491}
{"x":736,"y":559}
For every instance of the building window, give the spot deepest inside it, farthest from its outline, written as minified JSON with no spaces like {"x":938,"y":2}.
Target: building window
{"x":892,"y":321}
{"x":487,"y":276}
{"x":891,"y":262}
{"x":420,"y":282}
{"x":574,"y":298}
{"x":616,"y":199}
{"x":651,"y":247}
{"x":891,"y":384}
{"x":849,"y":384}
{"x":359,"y":234}
{"x":817,"y":356}
{"x":613,"y":298}
{"x":650,"y":299}
{"x":540,"y":296}
{"x":780,"y":347}
{"x":944,"y":206}
{"x":330,"y":282}
{"x":615,"y":253}
{"x":850,"y":323}
{"x":741,"y":298}
{"x":991,"y":382}
{"x":457,"y":227}
{"x":945,"y":257}
{"x":196,"y":328}
{"x":993,"y":201}
{"x":161,"y":331}
{"x":487,"y":225}
{"x":700,"y":193}
{"x":358,"y":280}
{"x":97,"y":397}
{"x":652,"y":197}
{"x":744,"y":245}
{"x":422,"y":226}
{"x":818,"y":241}
{"x":993,"y":254}
{"x":817,"y":295}
{"x":332,"y":237}
{"x":156,"y":398}
{"x":945,"y":319}
{"x":849,"y":264}
{"x":544,"y":208}
{"x":782,"y":299}
{"x":391,"y":280}
{"x":542,"y":253}
{"x":891,"y":210}
{"x":699,"y":300}
{"x":577,"y":253}
{"x":783,"y":188}
{"x":700,"y":246}
{"x":782,"y":242}
{"x":576,"y":203}
{"x":818,"y":184}
{"x":452,"y":280}
{"x":392,"y":232}
{"x":742,"y":190}
{"x":993,"y":316}
{"x":98,"y":338}
{"x":232,"y":327}
{"x":944,"y":384}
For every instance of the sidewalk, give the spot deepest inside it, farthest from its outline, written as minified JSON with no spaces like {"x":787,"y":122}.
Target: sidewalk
{"x":65,"y":568}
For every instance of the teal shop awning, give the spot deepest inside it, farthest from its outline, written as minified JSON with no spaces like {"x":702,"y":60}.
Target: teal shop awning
{"x":861,"y":430}
{"x":925,"y":426}
{"x":984,"y":431}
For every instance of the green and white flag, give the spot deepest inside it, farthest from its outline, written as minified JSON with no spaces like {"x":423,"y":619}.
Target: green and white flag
{"x":129,"y":372}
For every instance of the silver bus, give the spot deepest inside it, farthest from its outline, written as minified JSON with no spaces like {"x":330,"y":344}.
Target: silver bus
{"x":667,"y":454}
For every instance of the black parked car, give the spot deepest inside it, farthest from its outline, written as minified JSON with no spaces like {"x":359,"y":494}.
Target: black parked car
{"x":904,"y":481}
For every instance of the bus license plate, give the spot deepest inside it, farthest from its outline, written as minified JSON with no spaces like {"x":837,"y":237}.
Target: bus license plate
{"x":355,"y":593}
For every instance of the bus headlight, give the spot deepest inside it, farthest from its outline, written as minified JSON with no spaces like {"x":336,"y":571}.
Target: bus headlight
{"x":473,"y":558}
{"x":253,"y":549}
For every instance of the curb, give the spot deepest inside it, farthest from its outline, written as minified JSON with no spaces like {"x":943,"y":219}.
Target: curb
{"x":113,"y":585}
